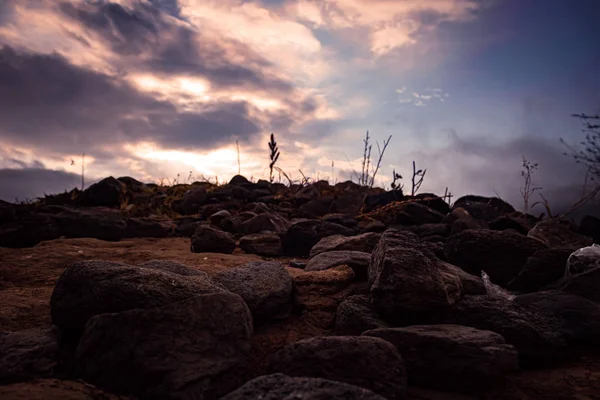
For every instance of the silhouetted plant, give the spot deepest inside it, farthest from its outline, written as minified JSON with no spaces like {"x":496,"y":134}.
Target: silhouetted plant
{"x":417,"y":178}
{"x":528,"y":189}
{"x":273,"y":156}
{"x":590,"y":154}
{"x":367,"y":177}
{"x":396,"y":177}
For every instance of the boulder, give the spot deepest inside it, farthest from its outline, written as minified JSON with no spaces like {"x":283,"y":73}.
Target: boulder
{"x":56,"y":389}
{"x":558,"y":234}
{"x":451,"y":357}
{"x":98,"y":223}
{"x":574,"y":318}
{"x":265,"y":222}
{"x":541,"y":269}
{"x":29,"y":231}
{"x":219,"y":216}
{"x":348,"y":203}
{"x":192,"y":200}
{"x":7,"y":213}
{"x":463,"y":224}
{"x":27,"y":354}
{"x":532,"y":334}
{"x":357,"y":260}
{"x":590,"y":226}
{"x":520,"y":225}
{"x":428,"y":230}
{"x":195,"y":349}
{"x":89,"y":288}
{"x":484,"y":208}
{"x":207,"y":239}
{"x":356,"y":315}
{"x":341,"y":219}
{"x":279,"y":387}
{"x":239,"y":180}
{"x":303,"y":235}
{"x":414,"y":213}
{"x":263,"y":244}
{"x":174,"y":267}
{"x":405,"y":281}
{"x":186,"y":226}
{"x":147,"y":228}
{"x":364,"y":243}
{"x":265,"y":286}
{"x":586,"y":285}
{"x":109,"y":192}
{"x":500,"y":254}
{"x":349,"y":359}
{"x":324,"y":282}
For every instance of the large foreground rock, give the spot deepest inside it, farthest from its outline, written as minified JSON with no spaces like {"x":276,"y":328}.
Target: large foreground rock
{"x":543,"y":268}
{"x":371,"y":363}
{"x":281,"y":387}
{"x":27,"y":354}
{"x":357,"y":260}
{"x":365,"y":243}
{"x":263,"y":244}
{"x":194,"y":349}
{"x":586,"y":285}
{"x":356,"y":315}
{"x":559,"y":234}
{"x":404,"y":281}
{"x":265,"y":286}
{"x":533,"y":334}
{"x":451,"y":357}
{"x":56,"y":389}
{"x":207,"y":239}
{"x":302,"y":236}
{"x":95,"y":287}
{"x":501,"y":254}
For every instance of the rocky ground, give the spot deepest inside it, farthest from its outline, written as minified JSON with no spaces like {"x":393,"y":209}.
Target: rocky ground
{"x":252,"y":290}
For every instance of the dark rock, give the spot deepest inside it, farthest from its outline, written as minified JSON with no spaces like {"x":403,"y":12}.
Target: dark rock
{"x":144,"y":227}
{"x":435,"y":247}
{"x":341,"y":219}
{"x":263,"y":244}
{"x":306,"y":194}
{"x":531,"y":333}
{"x":372,"y":226}
{"x":316,"y":208}
{"x":109,"y":192}
{"x":265,"y":286}
{"x":7,"y":213}
{"x":348,"y":203}
{"x":219,"y":216}
{"x":500,"y":254}
{"x":97,"y":223}
{"x":232,"y":224}
{"x":302,"y":236}
{"x":279,"y":387}
{"x":556,"y":234}
{"x":239,"y":180}
{"x":405,"y":281}
{"x":484,"y":208}
{"x":586,"y":285}
{"x":28,"y":354}
{"x":541,"y":269}
{"x":174,"y":267}
{"x":324,"y":282}
{"x":414,"y":213}
{"x":357,"y":260}
{"x":471,"y":284}
{"x":590,"y":226}
{"x":451,"y":357}
{"x":265,"y":222}
{"x":364,"y":243}
{"x":574,"y":318}
{"x":356,"y":315}
{"x":56,"y":389}
{"x":426,"y":230}
{"x":132,"y":184}
{"x":297,"y":264}
{"x":194,"y":349}
{"x":29,"y":231}
{"x":207,"y":239}
{"x":90,"y":288}
{"x":464,"y":224}
{"x":520,"y":225}
{"x":186,"y":226}
{"x":192,"y":200}
{"x":373,"y":201}
{"x":335,"y":358}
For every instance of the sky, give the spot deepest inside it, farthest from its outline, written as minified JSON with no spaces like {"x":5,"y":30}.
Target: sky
{"x":160,"y":89}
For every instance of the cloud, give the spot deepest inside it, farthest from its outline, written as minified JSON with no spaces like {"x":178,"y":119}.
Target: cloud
{"x":421,"y":100}
{"x":30,"y":183}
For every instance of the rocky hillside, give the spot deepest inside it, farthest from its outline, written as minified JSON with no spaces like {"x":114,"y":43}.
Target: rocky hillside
{"x":258,"y":290}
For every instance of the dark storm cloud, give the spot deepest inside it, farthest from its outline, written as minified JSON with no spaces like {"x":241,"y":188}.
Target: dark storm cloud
{"x":47,"y":102}
{"x":164,"y":46}
{"x":30,"y":183}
